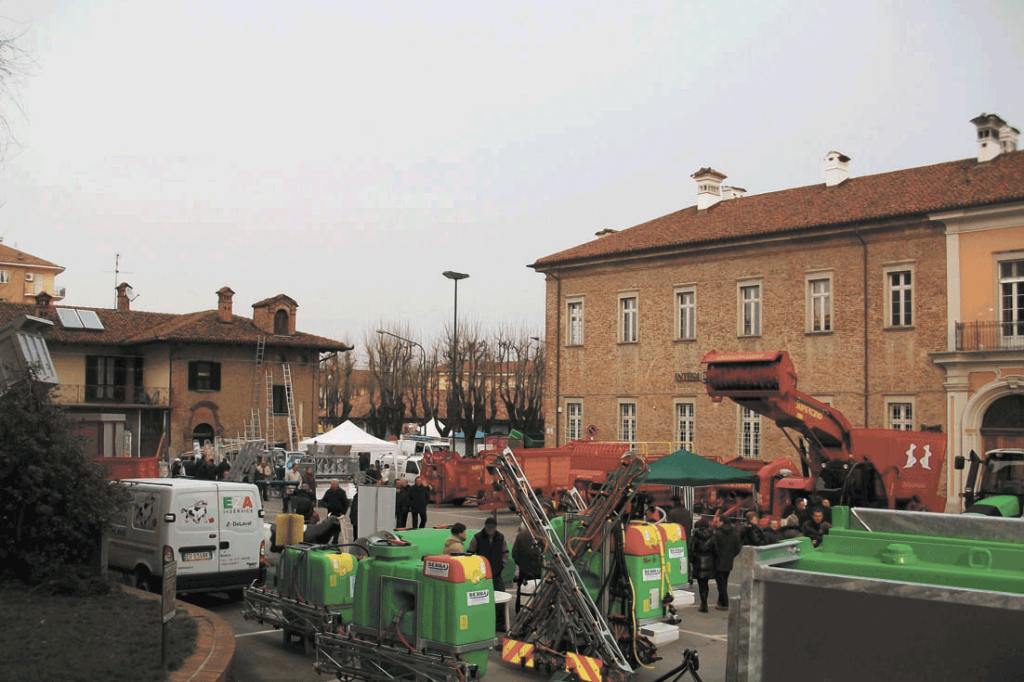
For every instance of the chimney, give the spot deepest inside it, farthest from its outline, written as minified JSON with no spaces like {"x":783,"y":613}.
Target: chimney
{"x":837,"y":168}
{"x":732,"y":193}
{"x":224,"y":313}
{"x":1008,"y":139}
{"x":124,"y":303}
{"x":709,"y":187}
{"x":43,"y":300}
{"x":994,"y":137}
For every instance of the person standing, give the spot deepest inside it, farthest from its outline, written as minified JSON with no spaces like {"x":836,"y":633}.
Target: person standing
{"x":309,"y":478}
{"x":304,"y":503}
{"x":701,"y":553}
{"x":335,"y":500}
{"x":727,"y":546}
{"x":529,"y":559}
{"x":401,"y":503}
{"x":752,"y":532}
{"x":419,"y":498}
{"x":490,"y":544}
{"x":681,"y":515}
{"x":262,"y":474}
{"x":455,"y":544}
{"x":292,"y":478}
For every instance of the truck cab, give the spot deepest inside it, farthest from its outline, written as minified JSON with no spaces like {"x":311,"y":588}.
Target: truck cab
{"x":994,"y":485}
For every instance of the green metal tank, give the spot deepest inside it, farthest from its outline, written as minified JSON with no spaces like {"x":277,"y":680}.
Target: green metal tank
{"x":386,"y":585}
{"x":674,"y":553}
{"x":642,"y":550}
{"x":457,"y":607}
{"x":976,"y":563}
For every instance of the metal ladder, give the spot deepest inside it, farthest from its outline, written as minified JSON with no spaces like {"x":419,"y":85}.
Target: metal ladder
{"x":252,"y":429}
{"x":563,"y":609}
{"x":271,"y":436}
{"x":294,"y":432}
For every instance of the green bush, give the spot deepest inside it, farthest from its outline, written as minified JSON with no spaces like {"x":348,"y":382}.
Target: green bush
{"x":56,"y":502}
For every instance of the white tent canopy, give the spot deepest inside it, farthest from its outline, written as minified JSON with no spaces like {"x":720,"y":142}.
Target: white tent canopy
{"x":350,"y":434}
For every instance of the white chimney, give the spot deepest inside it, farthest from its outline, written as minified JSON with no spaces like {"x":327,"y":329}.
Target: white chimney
{"x":1008,"y":139}
{"x":837,"y":168}
{"x":732,"y":193}
{"x":709,"y":187}
{"x":990,"y":136}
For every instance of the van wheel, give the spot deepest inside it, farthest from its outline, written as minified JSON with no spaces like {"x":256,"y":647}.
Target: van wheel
{"x":141,"y":580}
{"x":459,"y":501}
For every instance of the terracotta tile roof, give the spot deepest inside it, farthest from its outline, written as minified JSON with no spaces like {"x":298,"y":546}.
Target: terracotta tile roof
{"x":944,"y":186}
{"x":139,"y":327}
{"x":12,"y":256}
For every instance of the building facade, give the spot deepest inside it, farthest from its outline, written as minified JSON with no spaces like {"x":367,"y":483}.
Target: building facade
{"x":142,"y":384}
{"x":851,"y":277}
{"x":24,"y":276}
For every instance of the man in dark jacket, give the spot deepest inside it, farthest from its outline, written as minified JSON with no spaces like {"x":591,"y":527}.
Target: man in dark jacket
{"x":701,"y":553}
{"x":335,"y":500}
{"x":681,"y":515}
{"x":816,"y":527}
{"x":402,"y":508}
{"x":529,"y":559}
{"x":419,"y":498}
{"x":303,"y":502}
{"x":752,"y":533}
{"x":490,"y":544}
{"x":727,"y":546}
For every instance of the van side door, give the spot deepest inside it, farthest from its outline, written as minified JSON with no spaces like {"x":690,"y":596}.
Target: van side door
{"x":241,"y":527}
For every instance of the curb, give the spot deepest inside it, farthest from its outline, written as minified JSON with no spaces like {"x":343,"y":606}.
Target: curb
{"x":215,"y":644}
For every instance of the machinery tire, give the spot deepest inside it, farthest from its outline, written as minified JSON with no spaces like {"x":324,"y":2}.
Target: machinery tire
{"x":459,"y":501}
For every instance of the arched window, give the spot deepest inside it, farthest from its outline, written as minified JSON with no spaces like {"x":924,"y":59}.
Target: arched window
{"x":1003,"y":423}
{"x":203,"y":433}
{"x":281,"y":323}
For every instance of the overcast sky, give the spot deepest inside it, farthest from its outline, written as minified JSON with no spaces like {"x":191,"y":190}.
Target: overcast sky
{"x":346,"y":153}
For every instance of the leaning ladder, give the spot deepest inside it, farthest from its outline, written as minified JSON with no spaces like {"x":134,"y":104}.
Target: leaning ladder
{"x":294,"y":434}
{"x":252,"y":427}
{"x":271,"y":436}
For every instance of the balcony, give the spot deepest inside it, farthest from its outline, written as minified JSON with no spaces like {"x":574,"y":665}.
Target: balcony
{"x":93,"y":394}
{"x":983,"y":336}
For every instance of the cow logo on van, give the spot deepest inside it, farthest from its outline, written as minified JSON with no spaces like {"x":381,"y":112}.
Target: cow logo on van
{"x":197,"y":513}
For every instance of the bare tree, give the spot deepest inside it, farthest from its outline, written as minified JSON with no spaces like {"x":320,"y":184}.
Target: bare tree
{"x":336,"y":387}
{"x":402,"y":380}
{"x":520,"y":379}
{"x":12,"y":67}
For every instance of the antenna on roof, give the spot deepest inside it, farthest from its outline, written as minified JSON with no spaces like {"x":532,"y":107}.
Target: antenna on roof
{"x":117,"y":275}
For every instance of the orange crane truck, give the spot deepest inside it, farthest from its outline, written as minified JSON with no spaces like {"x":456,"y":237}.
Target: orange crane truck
{"x":849,"y":466}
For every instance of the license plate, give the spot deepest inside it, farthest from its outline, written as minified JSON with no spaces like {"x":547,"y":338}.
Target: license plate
{"x":197,"y":556}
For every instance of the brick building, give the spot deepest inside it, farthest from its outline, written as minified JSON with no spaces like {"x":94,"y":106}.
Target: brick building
{"x":850,"y":276}
{"x":169,"y":379}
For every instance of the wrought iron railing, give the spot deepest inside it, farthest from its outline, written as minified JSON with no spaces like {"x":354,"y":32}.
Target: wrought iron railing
{"x":990,"y":335}
{"x":79,"y":394}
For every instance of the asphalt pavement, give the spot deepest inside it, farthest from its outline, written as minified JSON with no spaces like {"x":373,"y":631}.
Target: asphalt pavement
{"x":262,"y":656}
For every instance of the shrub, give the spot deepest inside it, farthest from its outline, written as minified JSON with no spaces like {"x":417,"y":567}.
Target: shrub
{"x":56,"y":502}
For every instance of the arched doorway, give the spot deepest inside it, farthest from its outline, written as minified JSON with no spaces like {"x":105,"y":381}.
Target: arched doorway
{"x":202,"y":433}
{"x":1003,"y":423}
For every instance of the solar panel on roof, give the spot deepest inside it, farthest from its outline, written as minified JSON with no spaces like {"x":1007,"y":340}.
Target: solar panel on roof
{"x":69,"y":318}
{"x":90,"y":319}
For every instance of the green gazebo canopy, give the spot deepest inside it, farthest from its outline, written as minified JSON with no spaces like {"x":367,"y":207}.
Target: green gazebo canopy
{"x":687,"y":469}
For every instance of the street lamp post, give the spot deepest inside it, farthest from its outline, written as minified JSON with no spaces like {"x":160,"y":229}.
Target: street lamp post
{"x":453,"y":419}
{"x":410,"y":342}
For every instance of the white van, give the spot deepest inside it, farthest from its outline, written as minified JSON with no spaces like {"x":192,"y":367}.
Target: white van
{"x":404,"y":466}
{"x":212,"y":529}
